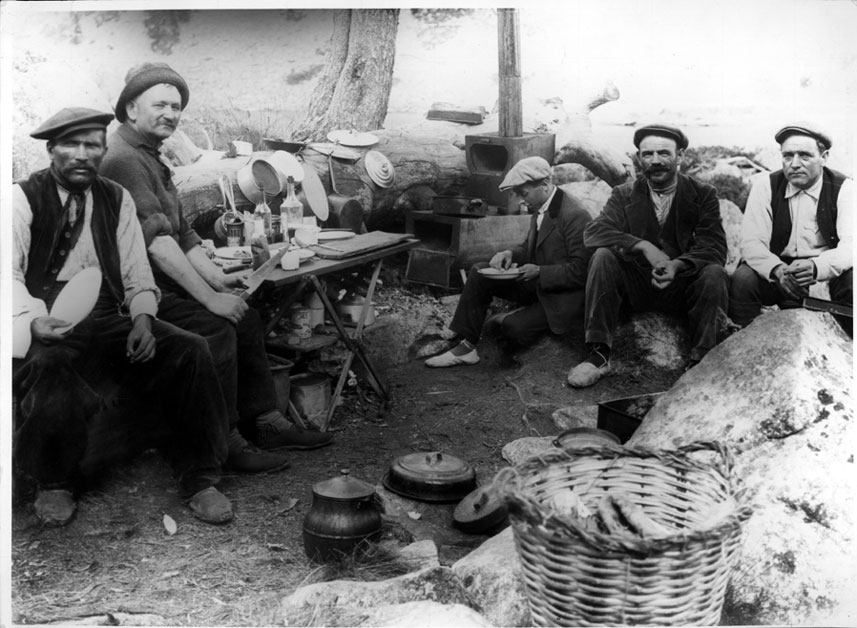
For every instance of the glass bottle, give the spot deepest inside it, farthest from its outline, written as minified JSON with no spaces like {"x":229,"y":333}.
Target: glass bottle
{"x":291,"y":209}
{"x":262,"y":214}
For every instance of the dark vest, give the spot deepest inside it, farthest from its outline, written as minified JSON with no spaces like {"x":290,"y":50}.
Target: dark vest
{"x":825,"y":214}
{"x":47,"y":233}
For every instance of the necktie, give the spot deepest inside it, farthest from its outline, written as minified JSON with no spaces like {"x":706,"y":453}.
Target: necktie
{"x":76,"y":203}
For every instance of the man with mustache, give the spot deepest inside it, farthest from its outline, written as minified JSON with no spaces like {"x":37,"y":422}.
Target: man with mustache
{"x":797,"y":229}
{"x":197,"y":295}
{"x":659,"y":245}
{"x":552,"y":270}
{"x":66,"y":218}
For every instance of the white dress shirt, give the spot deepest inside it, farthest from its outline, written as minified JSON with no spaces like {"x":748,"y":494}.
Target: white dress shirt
{"x":544,"y":209}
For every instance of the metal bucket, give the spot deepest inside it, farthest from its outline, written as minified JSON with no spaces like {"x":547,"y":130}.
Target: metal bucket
{"x":310,"y":394}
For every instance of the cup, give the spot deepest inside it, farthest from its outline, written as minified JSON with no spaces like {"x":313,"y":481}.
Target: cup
{"x":291,"y":260}
{"x":234,"y":233}
{"x":276,"y":229}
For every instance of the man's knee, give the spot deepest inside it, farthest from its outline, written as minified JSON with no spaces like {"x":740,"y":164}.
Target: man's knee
{"x":744,"y":283}
{"x":842,"y":288}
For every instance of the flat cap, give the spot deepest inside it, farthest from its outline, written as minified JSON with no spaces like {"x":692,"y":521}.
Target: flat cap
{"x":142,"y":77}
{"x":526,"y":170}
{"x":69,"y":120}
{"x":802,"y":128}
{"x":661,"y":130}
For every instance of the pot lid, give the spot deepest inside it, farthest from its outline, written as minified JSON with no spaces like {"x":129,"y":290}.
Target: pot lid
{"x":313,"y":190}
{"x":344,"y":488}
{"x":480,"y":510}
{"x":352,"y":138}
{"x":379,"y":168}
{"x":435,"y":466}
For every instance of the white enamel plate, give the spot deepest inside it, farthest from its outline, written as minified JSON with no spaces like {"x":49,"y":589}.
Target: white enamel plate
{"x":76,"y":300}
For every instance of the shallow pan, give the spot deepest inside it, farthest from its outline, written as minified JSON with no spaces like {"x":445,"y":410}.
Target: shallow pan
{"x":431,"y":477}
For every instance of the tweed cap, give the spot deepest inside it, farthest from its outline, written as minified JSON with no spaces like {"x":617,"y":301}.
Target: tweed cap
{"x":526,"y":170}
{"x":802,"y":128}
{"x":146,"y":75}
{"x":661,"y":130}
{"x":69,"y":120}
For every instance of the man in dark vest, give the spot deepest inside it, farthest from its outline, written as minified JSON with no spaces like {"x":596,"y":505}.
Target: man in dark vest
{"x":197,"y":295}
{"x":797,"y":229}
{"x":66,"y":219}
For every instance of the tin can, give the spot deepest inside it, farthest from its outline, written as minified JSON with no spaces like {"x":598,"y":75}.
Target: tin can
{"x":301,"y":319}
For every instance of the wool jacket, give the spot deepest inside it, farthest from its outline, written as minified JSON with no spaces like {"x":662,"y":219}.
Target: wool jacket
{"x":692,"y":231}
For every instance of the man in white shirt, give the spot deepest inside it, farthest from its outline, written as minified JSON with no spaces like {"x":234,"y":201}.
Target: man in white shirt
{"x":65,"y":219}
{"x":797,"y":230}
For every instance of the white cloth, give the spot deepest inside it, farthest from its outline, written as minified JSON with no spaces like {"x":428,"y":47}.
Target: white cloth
{"x":805,"y":240}
{"x":141,"y":293}
{"x":543,"y":209}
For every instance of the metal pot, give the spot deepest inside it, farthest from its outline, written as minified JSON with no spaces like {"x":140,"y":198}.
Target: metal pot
{"x":349,"y":311}
{"x":578,"y":437}
{"x":344,"y":513}
{"x":431,"y":477}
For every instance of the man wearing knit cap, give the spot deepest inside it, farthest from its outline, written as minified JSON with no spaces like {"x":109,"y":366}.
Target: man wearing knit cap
{"x":66,"y":219}
{"x":797,"y":232}
{"x":545,"y":274}
{"x":197,"y":295}
{"x":660,"y":246}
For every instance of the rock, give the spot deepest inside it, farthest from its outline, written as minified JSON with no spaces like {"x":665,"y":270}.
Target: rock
{"x":523,"y":448}
{"x":421,"y":554}
{"x":779,"y":394}
{"x":425,"y":615}
{"x":114,"y":619}
{"x":493,"y":577}
{"x":569,"y":417}
{"x":340,"y":602}
{"x":592,"y":194}
{"x":731,"y":217}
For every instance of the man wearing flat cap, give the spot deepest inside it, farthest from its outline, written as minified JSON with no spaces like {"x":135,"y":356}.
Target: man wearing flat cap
{"x":197,"y":295}
{"x":659,"y":245}
{"x":545,"y":274}
{"x":66,"y":219}
{"x":797,"y":231}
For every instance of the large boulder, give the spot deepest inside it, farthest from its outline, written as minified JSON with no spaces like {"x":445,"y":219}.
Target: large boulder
{"x":425,"y":615}
{"x":779,"y":394}
{"x":493,"y":577}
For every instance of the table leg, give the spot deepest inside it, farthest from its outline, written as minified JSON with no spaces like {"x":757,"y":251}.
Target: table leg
{"x":285,"y":305}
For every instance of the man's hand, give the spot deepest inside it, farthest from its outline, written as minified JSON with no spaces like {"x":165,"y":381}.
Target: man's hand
{"x":501,"y":260}
{"x":664,"y":273}
{"x":44,"y":329}
{"x":803,"y":271}
{"x":228,"y":306}
{"x":528,"y":272}
{"x":653,"y":254}
{"x":140,"y":346}
{"x":229,"y":283}
{"x":787,"y":284}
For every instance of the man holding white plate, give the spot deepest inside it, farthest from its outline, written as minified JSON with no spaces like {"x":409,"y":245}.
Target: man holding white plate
{"x":78,"y":250}
{"x":197,"y":295}
{"x":545,"y":274}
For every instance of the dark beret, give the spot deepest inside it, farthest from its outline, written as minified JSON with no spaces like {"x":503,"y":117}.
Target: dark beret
{"x":142,"y":77}
{"x":804,"y":129}
{"x":69,"y":120}
{"x":661,"y":130}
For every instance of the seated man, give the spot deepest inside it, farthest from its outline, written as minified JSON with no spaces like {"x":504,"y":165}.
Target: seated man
{"x":797,"y":229}
{"x":552,"y":263}
{"x":197,"y":295}
{"x":67,"y":218}
{"x":660,"y":246}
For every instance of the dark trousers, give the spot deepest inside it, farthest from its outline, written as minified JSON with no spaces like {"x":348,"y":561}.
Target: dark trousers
{"x":520,"y":328}
{"x":613,"y":283}
{"x":55,"y":387}
{"x":750,"y":291}
{"x":238,"y":352}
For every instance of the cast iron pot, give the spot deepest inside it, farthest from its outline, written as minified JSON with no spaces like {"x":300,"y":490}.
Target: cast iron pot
{"x":431,"y":477}
{"x":345,"y":513}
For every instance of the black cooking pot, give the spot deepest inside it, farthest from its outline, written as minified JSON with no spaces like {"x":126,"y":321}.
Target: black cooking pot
{"x":431,"y":477}
{"x":344,"y":513}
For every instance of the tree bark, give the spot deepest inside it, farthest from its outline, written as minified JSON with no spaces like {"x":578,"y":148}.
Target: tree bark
{"x":354,"y":89}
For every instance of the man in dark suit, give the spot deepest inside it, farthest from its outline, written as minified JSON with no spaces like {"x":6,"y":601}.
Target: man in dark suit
{"x":546,"y":273}
{"x":660,"y":246}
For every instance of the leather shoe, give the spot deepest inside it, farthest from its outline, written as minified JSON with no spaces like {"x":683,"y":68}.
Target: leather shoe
{"x":274,"y":437}
{"x":450,"y":359}
{"x":211,"y":506}
{"x":586,"y":374}
{"x":250,"y":459}
{"x":55,"y":507}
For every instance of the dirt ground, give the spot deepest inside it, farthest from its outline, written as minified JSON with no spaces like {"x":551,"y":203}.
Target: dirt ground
{"x":117,"y":561}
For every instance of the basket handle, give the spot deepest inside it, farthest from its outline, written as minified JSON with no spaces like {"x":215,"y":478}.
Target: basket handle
{"x":727,"y":459}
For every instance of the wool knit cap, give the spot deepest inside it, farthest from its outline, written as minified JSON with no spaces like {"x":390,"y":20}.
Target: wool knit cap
{"x":69,"y":120}
{"x":802,"y":128}
{"x":661,"y":130}
{"x":526,"y":170}
{"x":146,"y":75}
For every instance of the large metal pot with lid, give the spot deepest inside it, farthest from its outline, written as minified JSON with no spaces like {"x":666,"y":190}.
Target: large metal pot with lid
{"x":345,"y":512}
{"x":431,"y":477}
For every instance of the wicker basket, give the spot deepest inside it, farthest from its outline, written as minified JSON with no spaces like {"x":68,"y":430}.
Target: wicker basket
{"x":575,"y":576}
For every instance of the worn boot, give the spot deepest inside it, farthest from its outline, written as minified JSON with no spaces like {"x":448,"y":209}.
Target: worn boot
{"x":275,"y":432}
{"x":250,"y":459}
